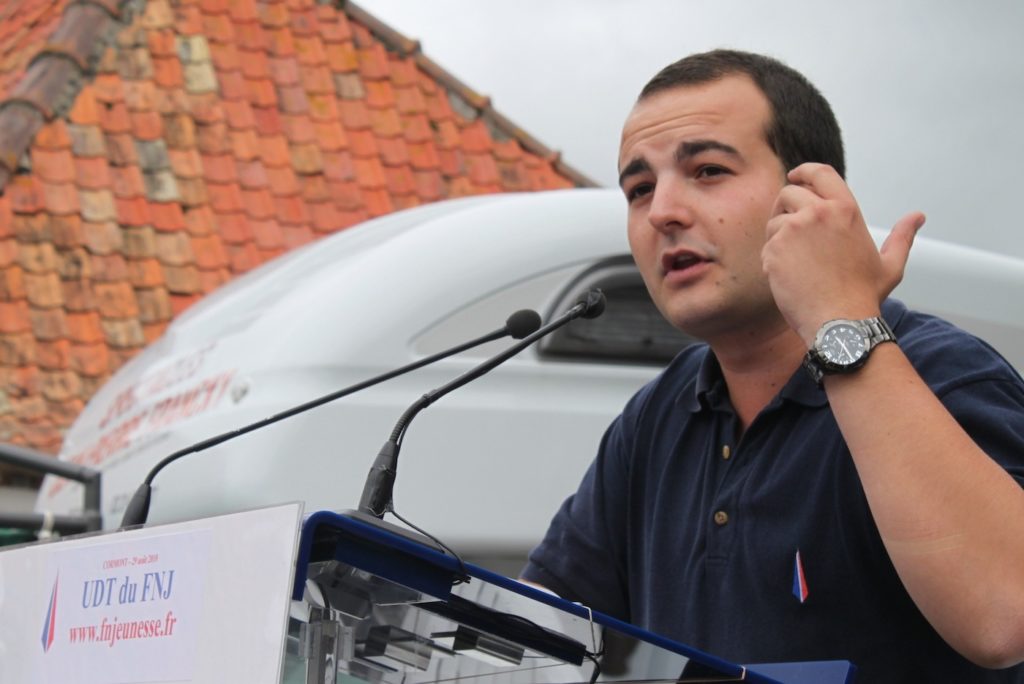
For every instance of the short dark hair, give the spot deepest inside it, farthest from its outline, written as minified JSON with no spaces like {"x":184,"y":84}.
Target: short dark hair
{"x":803,"y":127}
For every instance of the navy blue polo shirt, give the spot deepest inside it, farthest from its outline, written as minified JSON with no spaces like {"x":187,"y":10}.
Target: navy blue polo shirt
{"x":686,"y":528}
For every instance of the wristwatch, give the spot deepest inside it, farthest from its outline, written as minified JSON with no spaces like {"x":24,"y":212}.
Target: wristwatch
{"x":843,"y":346}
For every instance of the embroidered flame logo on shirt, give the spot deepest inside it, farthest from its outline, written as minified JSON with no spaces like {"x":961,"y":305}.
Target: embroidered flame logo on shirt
{"x":799,"y":581}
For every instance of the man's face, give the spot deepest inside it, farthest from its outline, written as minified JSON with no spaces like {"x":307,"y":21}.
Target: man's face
{"x":701,"y":180}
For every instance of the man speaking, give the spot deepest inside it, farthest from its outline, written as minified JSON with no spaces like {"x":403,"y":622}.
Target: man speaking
{"x":830,"y":476}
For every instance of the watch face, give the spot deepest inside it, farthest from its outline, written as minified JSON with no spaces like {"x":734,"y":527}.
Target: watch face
{"x":843,"y":345}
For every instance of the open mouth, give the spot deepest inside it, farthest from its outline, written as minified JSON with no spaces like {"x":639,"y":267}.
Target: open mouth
{"x":685,"y":261}
{"x":681,"y":262}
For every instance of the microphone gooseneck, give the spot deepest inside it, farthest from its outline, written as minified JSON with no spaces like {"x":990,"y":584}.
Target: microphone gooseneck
{"x":380,"y":481}
{"x":518,"y":325}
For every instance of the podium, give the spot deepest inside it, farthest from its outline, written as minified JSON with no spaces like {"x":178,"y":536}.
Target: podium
{"x":373,"y":605}
{"x":274,"y":596}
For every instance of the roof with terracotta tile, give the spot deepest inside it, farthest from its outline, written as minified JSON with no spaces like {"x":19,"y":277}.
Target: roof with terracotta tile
{"x":152,"y":150}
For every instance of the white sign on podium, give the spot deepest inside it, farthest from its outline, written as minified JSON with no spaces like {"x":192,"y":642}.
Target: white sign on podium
{"x":199,"y":601}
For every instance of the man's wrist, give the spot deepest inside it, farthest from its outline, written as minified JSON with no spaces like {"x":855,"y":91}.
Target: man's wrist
{"x":808,"y":331}
{"x":842,"y":346}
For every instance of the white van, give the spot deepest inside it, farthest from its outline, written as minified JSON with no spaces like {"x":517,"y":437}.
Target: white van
{"x":484,"y":468}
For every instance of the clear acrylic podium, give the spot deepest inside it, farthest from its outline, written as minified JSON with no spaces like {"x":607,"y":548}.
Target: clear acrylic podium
{"x":372,"y":605}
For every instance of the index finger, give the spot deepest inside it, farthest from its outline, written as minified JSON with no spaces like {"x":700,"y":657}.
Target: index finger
{"x":821,"y":179}
{"x":792,"y":198}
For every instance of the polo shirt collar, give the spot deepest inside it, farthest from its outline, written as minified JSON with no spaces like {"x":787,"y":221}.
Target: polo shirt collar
{"x":707,"y":389}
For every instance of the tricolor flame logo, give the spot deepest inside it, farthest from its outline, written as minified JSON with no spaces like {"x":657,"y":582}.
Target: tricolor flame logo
{"x":799,"y":581}
{"x":50,"y":624}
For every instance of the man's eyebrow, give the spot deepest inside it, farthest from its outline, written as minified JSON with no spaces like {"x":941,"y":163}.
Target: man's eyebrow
{"x":691,"y":148}
{"x":637,"y":165}
{"x":686,"y":150}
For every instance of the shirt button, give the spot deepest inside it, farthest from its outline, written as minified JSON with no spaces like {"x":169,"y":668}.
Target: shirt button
{"x":726,"y":452}
{"x":721,"y":517}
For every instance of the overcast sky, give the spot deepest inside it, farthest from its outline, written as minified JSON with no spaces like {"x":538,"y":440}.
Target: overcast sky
{"x":930,"y":93}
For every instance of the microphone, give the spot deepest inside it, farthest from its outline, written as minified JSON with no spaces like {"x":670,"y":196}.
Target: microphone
{"x":519,"y":325}
{"x":377,"y":493}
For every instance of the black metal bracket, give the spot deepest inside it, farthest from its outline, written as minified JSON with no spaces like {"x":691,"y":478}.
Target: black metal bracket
{"x":39,"y":462}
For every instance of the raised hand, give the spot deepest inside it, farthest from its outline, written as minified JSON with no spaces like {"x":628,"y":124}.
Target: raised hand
{"x":819,"y":256}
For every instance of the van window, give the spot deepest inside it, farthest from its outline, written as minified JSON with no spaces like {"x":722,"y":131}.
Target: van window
{"x":631,"y":329}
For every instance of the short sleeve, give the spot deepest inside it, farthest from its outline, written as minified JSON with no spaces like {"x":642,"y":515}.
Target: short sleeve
{"x":582,"y":557}
{"x":991,"y":412}
{"x":978,"y":387}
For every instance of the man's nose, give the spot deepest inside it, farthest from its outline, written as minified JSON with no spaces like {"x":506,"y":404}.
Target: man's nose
{"x":670,"y":207}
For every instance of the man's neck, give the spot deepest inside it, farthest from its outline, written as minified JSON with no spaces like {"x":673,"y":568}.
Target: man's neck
{"x":756,"y":368}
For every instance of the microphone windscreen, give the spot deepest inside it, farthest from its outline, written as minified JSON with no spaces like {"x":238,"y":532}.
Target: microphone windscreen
{"x":594,"y":302}
{"x":522,"y":323}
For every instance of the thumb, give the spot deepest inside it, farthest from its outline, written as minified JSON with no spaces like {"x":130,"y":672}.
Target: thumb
{"x":896,"y":249}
